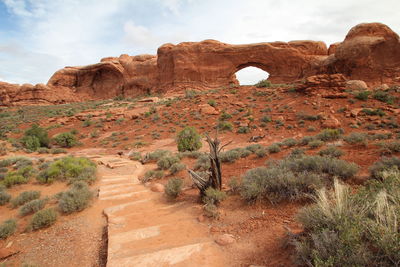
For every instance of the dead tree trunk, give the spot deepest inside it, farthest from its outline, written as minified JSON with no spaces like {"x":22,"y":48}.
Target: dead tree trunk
{"x":214,"y":178}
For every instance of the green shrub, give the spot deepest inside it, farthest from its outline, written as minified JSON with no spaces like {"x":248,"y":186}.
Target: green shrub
{"x":263,"y":84}
{"x":253,"y":148}
{"x":14,"y":178}
{"x":383,"y":96}
{"x":135,"y":156}
{"x":177,"y":167}
{"x":202,"y":163}
{"x":173,"y":187}
{"x":225,"y":126}
{"x":66,"y":140}
{"x":373,"y":112}
{"x":188,"y":139}
{"x":296,"y":153}
{"x":306,"y":140}
{"x":316,"y":144}
{"x":307,"y":117}
{"x":266,"y":119}
{"x":262,"y":152}
{"x":290,"y":142}
{"x":166,"y":162}
{"x":43,"y":150}
{"x":356,"y":139}
{"x":7,"y":228}
{"x":224,"y":116}
{"x":391,"y":147}
{"x":362,"y":95}
{"x":32,"y":143}
{"x":274,"y":148}
{"x":243,"y":130}
{"x":58,"y":150}
{"x":212,"y":102}
{"x":213,"y":196}
{"x":229,"y":156}
{"x":75,"y":199}
{"x":36,"y":132}
{"x":331,"y":151}
{"x":24,"y":197}
{"x":43,"y":219}
{"x":329,"y":135}
{"x":276,"y":184}
{"x":153,"y":174}
{"x":190,"y":154}
{"x":4,"y":197}
{"x":69,"y":169}
{"x":32,"y":207}
{"x":344,"y":228}
{"x":385,"y":164}
{"x":156,"y":155}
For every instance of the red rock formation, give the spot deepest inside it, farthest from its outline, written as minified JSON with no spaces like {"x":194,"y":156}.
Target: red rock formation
{"x":370,"y":52}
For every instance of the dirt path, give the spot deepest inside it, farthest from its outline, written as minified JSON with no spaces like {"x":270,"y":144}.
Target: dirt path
{"x":146,"y":230}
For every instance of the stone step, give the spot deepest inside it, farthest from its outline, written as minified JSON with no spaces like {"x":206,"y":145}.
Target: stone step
{"x":130,"y":195}
{"x":121,"y":190}
{"x":122,"y":206}
{"x":166,"y":257}
{"x":176,"y":232}
{"x":107,"y":187}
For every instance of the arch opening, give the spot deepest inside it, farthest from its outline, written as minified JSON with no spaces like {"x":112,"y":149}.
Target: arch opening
{"x":251,"y":75}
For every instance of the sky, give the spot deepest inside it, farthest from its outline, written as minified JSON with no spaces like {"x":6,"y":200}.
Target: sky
{"x":38,"y":37}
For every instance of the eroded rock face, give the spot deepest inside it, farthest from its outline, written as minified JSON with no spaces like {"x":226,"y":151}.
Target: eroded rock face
{"x":370,"y":52}
{"x":28,"y":94}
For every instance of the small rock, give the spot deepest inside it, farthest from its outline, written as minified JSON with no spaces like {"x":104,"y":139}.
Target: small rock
{"x":225,"y":239}
{"x":156,"y":187}
{"x":201,"y":218}
{"x":208,"y":110}
{"x":356,"y":85}
{"x":331,"y":122}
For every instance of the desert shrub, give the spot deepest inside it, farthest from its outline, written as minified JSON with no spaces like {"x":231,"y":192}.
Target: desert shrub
{"x":262,"y":152}
{"x":307,"y":117}
{"x":202,"y":163}
{"x":4,"y":197}
{"x":212,"y":102}
{"x":306,"y":140}
{"x":234,"y":185}
{"x":276,"y":184}
{"x":190,"y":154}
{"x":380,"y":136}
{"x":331,"y":151}
{"x":321,"y":165}
{"x":347,"y":229}
{"x":243,"y":130}
{"x":188,"y":139}
{"x":166,"y":162}
{"x":135,"y":156}
{"x":156,"y":155}
{"x":69,"y":169}
{"x":14,"y":178}
{"x":362,"y":95}
{"x":274,"y":148}
{"x":7,"y":228}
{"x":32,"y":143}
{"x":384,"y":164}
{"x":57,"y":150}
{"x":36,"y":135}
{"x":329,"y":135}
{"x":66,"y":140}
{"x":296,"y":153}
{"x":266,"y":119}
{"x":356,"y":139}
{"x":290,"y":142}
{"x":24,"y":197}
{"x":229,"y":156}
{"x":225,"y":126}
{"x":243,"y":152}
{"x":211,"y":211}
{"x":213,"y":196}
{"x":391,"y":147}
{"x":225,"y":116}
{"x":75,"y":199}
{"x":32,"y":207}
{"x":254,"y":147}
{"x":43,"y":219}
{"x":373,"y":112}
{"x":263,"y":83}
{"x":43,"y":150}
{"x":177,"y":167}
{"x":316,"y":143}
{"x":173,"y":187}
{"x":383,"y":96}
{"x":153,"y":174}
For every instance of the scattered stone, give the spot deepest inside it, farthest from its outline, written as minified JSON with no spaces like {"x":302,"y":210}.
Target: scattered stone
{"x":225,"y":239}
{"x":157,"y":187}
{"x":332,"y":122}
{"x":208,"y":110}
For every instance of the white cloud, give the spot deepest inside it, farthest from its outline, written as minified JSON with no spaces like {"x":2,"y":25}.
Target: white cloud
{"x":50,"y":34}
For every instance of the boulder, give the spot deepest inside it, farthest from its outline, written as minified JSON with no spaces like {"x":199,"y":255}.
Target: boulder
{"x":225,"y":239}
{"x":157,"y":187}
{"x":356,"y":85}
{"x":208,"y":110}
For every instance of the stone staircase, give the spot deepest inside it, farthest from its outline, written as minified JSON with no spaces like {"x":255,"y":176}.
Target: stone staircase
{"x":144,"y":229}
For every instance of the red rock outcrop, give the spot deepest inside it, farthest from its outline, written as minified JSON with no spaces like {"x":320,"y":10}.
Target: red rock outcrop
{"x":370,"y":52}
{"x":28,"y":94}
